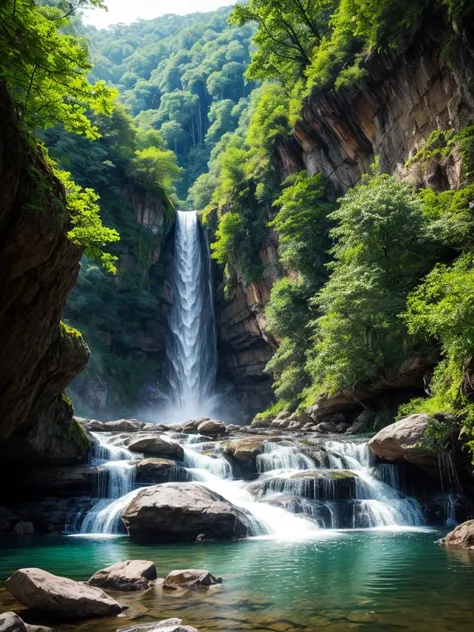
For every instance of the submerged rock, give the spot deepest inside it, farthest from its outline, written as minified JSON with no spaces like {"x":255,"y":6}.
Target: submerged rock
{"x":181,"y":512}
{"x":190,"y":579}
{"x":462,"y":537}
{"x":127,"y":575}
{"x":168,"y":625}
{"x":406,"y":440}
{"x":156,"y":444}
{"x":65,"y":598}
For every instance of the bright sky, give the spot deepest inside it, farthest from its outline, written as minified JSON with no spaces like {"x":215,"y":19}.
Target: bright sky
{"x":130,"y":10}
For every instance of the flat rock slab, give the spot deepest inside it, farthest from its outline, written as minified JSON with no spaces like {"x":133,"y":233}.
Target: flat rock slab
{"x":127,"y":575}
{"x":65,"y":598}
{"x":182,"y":512}
{"x":190,"y":579}
{"x":168,"y":625}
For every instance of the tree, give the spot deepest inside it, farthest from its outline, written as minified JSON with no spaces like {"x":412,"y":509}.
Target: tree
{"x":380,"y":252}
{"x":154,"y":169}
{"x":288,"y":32}
{"x":46,"y":69}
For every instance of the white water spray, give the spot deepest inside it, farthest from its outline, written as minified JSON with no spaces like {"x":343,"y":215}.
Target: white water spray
{"x":191,"y":347}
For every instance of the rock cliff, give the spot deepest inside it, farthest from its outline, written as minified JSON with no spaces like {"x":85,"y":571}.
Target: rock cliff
{"x":389,"y":115}
{"x":38,"y":268}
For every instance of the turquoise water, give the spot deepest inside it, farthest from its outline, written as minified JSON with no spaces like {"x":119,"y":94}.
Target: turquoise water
{"x":342,"y":581}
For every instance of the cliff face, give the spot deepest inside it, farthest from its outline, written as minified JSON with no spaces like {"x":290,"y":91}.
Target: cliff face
{"x":38,"y":268}
{"x":388,"y":115}
{"x":136,"y":341}
{"x":244,"y":344}
{"x":391,"y":112}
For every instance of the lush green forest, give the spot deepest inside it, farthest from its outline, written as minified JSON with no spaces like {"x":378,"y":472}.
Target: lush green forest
{"x":189,"y":110}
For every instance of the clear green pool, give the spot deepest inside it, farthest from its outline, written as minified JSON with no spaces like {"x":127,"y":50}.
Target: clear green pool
{"x":370,"y":581}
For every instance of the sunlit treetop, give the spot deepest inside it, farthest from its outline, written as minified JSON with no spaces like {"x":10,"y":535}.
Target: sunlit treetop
{"x":45,"y":67}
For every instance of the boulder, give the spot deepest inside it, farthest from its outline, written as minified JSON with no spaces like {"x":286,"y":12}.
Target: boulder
{"x":313,"y":484}
{"x":23,"y":528}
{"x":181,"y":512}
{"x":295,"y":425}
{"x":280,"y":423}
{"x":65,"y":598}
{"x":462,"y":537}
{"x":242,"y":454}
{"x":190,"y":579}
{"x":127,"y":575}
{"x":11,"y":622}
{"x":361,"y":423}
{"x":156,"y":444}
{"x":407,"y":440}
{"x":326,"y":427}
{"x":211,"y":427}
{"x":342,"y":427}
{"x":160,"y":471}
{"x":168,"y":625}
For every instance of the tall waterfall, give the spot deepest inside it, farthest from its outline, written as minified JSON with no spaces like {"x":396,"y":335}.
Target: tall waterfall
{"x":191,"y":347}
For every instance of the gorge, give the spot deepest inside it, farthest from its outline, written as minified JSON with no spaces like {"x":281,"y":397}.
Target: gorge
{"x":236,"y":321}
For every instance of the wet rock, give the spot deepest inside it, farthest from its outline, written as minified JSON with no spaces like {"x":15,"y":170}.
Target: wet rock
{"x":118,"y":425}
{"x":361,"y":423}
{"x":462,"y":537}
{"x":211,"y":427}
{"x":181,"y":512}
{"x":127,"y":575}
{"x":65,"y":598}
{"x":313,"y":484}
{"x":168,"y":625}
{"x":295,"y":425}
{"x":160,"y":471}
{"x":326,"y":427}
{"x":190,"y":579}
{"x":280,"y":423}
{"x":242,"y":454}
{"x":11,"y":622}
{"x":407,"y":440}
{"x":23,"y":528}
{"x":156,"y":444}
{"x":342,"y":427}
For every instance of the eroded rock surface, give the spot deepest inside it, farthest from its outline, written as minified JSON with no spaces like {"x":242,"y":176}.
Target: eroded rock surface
{"x":127,"y":575}
{"x":462,"y":537}
{"x":65,"y":598}
{"x":155,"y":444}
{"x":182,"y":512}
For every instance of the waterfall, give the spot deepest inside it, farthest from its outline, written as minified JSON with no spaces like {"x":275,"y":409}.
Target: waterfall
{"x":191,"y":346}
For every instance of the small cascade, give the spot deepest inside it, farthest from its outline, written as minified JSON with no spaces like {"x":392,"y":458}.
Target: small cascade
{"x":104,"y":516}
{"x":349,"y":491}
{"x":451,"y":486}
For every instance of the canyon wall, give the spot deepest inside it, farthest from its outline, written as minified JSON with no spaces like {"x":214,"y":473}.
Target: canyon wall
{"x":38,"y":267}
{"x":388,"y":115}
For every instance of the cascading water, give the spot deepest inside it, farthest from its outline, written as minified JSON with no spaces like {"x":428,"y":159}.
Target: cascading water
{"x":191,"y":346}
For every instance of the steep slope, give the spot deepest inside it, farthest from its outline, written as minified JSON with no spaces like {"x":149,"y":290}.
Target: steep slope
{"x":38,"y":268}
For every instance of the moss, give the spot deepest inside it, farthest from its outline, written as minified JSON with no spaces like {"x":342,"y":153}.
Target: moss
{"x":440,"y":144}
{"x":67,"y":331}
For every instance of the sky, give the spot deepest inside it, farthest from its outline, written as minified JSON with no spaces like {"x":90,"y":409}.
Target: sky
{"x":130,"y":10}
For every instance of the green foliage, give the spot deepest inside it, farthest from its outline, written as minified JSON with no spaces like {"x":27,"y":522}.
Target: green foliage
{"x":87,"y":230}
{"x":181,"y":75}
{"x":230,"y":233}
{"x":302,"y":225}
{"x":440,"y":144}
{"x":154,"y":168}
{"x":46,"y":68}
{"x":380,"y":251}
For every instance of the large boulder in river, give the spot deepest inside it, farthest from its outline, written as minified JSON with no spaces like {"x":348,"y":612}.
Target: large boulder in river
{"x":190,"y":579}
{"x":118,"y":425}
{"x":407,"y":440}
{"x":182,"y":512}
{"x":127,"y":575}
{"x":156,"y":444}
{"x":62,"y":597}
{"x":462,"y":537}
{"x":242,"y":453}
